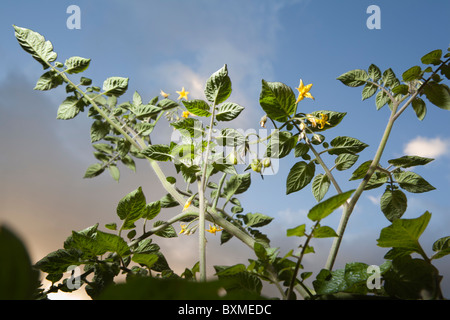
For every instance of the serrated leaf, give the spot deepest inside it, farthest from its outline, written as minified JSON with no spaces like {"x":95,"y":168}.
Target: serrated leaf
{"x":368,"y":91}
{"x":131,"y":208}
{"x":218,"y":86}
{"x":189,"y":127}
{"x":76,"y":64}
{"x":381,"y":99}
{"x":345,"y":161}
{"x":393,"y":204}
{"x":346,"y":145}
{"x":301,"y":149}
{"x":412,"y":182}
{"x":35,"y":44}
{"x":228,"y":111}
{"x":69,"y":108}
{"x":145,"y":111}
{"x":299,"y":176}
{"x":237,"y":184}
{"x":99,"y":130}
{"x":354,"y":78}
{"x":112,"y":243}
{"x":389,"y":79}
{"x":115,"y":86}
{"x":280,"y":145}
{"x":94,"y":170}
{"x":404,"y":233}
{"x":320,"y":186}
{"x":153,"y":209}
{"x":159,"y":152}
{"x":137,"y":99}
{"x":412,"y":73}
{"x":374,"y":72}
{"x":277,"y":100}
{"x":361,"y":171}
{"x":441,"y":247}
{"x":433,"y":57}
{"x":256,"y":220}
{"x":326,"y":207}
{"x":48,"y":81}
{"x":147,"y":259}
{"x":167,"y":232}
{"x":409,"y":161}
{"x":198,"y":107}
{"x":114,"y":172}
{"x":298,"y":231}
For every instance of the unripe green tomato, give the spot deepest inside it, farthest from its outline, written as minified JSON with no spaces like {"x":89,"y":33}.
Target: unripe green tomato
{"x":266,"y":162}
{"x":256,"y":165}
{"x":289,"y":126}
{"x":233,"y":158}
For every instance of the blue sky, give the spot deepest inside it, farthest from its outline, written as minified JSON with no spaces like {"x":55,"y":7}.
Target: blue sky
{"x":170,"y":44}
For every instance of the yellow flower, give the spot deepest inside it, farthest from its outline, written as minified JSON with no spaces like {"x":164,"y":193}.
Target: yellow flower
{"x":165,"y":95}
{"x":185,"y":114}
{"x":323,"y":121}
{"x":263,"y":121}
{"x":183,"y":228}
{"x":303,"y":91}
{"x":183,"y":94}
{"x":213,"y":229}
{"x":312,"y":119}
{"x":187,"y":204}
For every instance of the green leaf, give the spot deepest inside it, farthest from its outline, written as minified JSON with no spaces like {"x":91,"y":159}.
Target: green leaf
{"x":298,"y":231}
{"x":393,"y":204}
{"x":346,"y":145}
{"x":188,"y":127}
{"x":376,"y":180}
{"x":111,"y":226}
{"x":404,"y":233}
{"x":145,"y":111}
{"x":381,"y":99}
{"x":325,"y":208}
{"x":167,"y":232}
{"x":281,"y":144}
{"x":441,"y":247}
{"x":94,"y":170}
{"x":114,"y":172}
{"x":412,"y":182}
{"x":411,"y":279}
{"x":374,"y":72}
{"x":433,"y":57}
{"x":48,"y":81}
{"x":277,"y":100}
{"x":361,"y":171}
{"x":18,"y":280}
{"x":99,"y":130}
{"x":368,"y":91}
{"x":228,"y":111}
{"x":334,"y":118}
{"x":301,"y":149}
{"x":147,"y":259}
{"x":354,"y":78}
{"x":115,"y":86}
{"x":320,"y":186}
{"x":158,"y":152}
{"x":87,"y":244}
{"x":35,"y":44}
{"x":76,"y":64}
{"x":137,"y":99}
{"x":412,"y":73}
{"x":168,"y":201}
{"x":218,"y":86}
{"x":389,"y":79}
{"x":409,"y":161}
{"x":300,"y":176}
{"x":197,"y":107}
{"x":345,"y":161}
{"x":419,"y":108}
{"x":131,"y":208}
{"x":112,"y":243}
{"x":153,"y":209}
{"x":237,"y":184}
{"x":438,"y":94}
{"x":69,"y":108}
{"x":256,"y":220}
{"x":230,"y":137}
{"x":58,"y":261}
{"x":324,"y":232}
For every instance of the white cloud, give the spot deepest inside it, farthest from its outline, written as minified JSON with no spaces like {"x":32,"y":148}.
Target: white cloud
{"x":427,"y":147}
{"x":374,"y":200}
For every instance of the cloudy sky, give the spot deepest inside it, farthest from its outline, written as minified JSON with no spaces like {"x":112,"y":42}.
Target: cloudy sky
{"x":173,"y":44}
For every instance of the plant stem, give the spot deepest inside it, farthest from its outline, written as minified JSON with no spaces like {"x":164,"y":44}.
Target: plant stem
{"x":351,"y":205}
